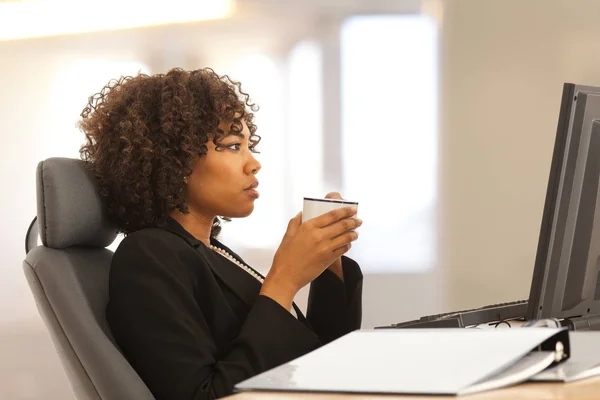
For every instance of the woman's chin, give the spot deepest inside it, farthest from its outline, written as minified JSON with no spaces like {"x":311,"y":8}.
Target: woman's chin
{"x":242,"y":212}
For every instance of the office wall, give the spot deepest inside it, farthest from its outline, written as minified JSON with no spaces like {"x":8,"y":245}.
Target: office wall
{"x":503,"y":66}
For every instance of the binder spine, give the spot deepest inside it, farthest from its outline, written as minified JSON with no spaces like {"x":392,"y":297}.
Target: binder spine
{"x":558,"y":344}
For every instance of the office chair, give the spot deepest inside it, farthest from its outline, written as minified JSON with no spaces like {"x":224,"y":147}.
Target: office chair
{"x":68,"y":276}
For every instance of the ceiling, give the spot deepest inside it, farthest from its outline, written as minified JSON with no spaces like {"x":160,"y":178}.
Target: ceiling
{"x":270,"y":16}
{"x":337,"y":6}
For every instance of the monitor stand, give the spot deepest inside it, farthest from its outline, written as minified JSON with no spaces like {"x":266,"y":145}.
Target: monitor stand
{"x":586,"y":323}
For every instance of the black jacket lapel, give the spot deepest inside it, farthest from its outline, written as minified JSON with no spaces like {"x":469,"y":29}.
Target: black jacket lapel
{"x":244,"y":286}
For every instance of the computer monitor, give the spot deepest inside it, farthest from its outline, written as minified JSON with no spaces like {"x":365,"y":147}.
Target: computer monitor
{"x":566,"y":280}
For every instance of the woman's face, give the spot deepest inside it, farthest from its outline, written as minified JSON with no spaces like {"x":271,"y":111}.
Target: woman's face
{"x":223,"y":182}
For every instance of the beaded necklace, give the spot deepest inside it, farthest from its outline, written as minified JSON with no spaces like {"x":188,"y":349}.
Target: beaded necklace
{"x":243,"y":266}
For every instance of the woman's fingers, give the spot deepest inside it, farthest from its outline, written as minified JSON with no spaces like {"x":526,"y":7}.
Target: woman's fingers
{"x":341,"y":251}
{"x":340,"y":227}
{"x":343,"y":240}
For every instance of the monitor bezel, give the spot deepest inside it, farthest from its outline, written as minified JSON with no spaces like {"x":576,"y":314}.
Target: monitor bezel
{"x":543,"y":292}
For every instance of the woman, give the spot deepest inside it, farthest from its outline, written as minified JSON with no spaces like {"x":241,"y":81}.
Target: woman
{"x":172,"y":153}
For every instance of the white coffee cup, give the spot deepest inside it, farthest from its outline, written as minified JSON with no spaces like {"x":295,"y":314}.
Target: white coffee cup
{"x":315,"y":207}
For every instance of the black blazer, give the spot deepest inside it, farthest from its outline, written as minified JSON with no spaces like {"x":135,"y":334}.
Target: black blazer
{"x":192,"y":324}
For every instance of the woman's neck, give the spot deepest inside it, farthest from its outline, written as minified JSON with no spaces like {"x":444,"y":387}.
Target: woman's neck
{"x":196,"y":224}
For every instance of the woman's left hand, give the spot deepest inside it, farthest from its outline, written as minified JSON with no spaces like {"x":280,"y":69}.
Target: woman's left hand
{"x":336,"y":266}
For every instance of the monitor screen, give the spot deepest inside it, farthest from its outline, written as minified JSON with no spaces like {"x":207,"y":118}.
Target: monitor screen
{"x":565,"y":277}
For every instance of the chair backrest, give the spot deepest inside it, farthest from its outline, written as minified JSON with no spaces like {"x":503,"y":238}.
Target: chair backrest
{"x":68,"y":276}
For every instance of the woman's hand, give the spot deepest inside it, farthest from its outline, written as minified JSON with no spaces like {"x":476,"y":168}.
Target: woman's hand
{"x":306,"y":250}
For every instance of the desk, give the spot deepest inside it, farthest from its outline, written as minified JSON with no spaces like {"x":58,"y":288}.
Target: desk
{"x":586,"y":389}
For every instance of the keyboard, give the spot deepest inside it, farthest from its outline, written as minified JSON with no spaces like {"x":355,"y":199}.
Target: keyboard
{"x":464,"y":318}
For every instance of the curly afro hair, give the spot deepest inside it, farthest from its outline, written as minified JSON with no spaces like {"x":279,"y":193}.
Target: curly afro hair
{"x":144,"y":133}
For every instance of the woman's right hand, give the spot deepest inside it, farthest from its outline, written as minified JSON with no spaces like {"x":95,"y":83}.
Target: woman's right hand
{"x":306,"y":250}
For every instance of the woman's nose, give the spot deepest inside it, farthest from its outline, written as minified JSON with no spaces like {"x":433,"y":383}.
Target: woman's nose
{"x":255,"y":165}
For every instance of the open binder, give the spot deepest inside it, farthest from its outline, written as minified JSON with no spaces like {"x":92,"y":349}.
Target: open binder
{"x":583,"y":363}
{"x":419,"y":361}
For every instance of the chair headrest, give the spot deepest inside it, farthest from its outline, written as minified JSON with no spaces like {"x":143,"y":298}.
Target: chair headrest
{"x":69,"y":209}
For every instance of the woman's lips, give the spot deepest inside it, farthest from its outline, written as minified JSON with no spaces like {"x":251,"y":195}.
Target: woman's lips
{"x":251,"y":190}
{"x":253,"y":193}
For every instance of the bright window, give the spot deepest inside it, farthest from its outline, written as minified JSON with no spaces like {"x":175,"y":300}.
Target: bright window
{"x":389,"y":138}
{"x":305,"y":142}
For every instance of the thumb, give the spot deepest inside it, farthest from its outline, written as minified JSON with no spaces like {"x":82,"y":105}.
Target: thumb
{"x":333,"y":195}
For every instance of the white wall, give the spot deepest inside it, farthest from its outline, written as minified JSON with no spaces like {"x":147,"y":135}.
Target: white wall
{"x":503,"y":66}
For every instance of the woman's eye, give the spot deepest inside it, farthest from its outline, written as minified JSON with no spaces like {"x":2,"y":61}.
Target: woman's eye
{"x":234,"y":146}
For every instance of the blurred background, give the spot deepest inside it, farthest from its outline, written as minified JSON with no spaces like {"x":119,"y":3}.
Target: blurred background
{"x":438,"y":116}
